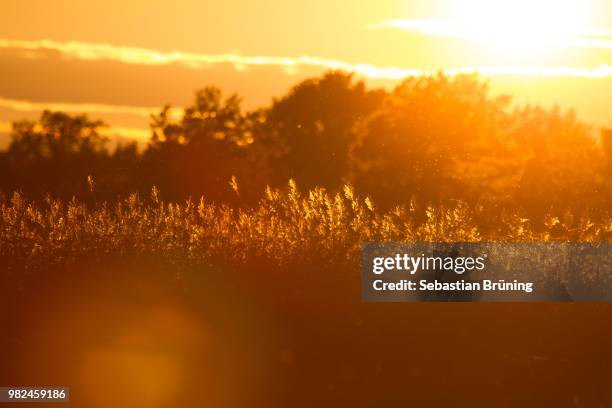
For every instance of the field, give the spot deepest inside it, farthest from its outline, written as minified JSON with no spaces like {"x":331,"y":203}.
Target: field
{"x":149,"y":303}
{"x":286,"y":226}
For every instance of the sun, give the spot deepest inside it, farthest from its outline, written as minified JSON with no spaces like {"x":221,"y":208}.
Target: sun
{"x":520,"y":27}
{"x":515,"y":29}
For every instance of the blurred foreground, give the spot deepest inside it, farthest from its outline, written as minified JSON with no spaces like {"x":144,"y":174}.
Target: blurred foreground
{"x":151,"y":304}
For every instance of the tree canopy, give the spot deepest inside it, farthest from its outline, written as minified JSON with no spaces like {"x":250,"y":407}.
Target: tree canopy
{"x":431,"y":139}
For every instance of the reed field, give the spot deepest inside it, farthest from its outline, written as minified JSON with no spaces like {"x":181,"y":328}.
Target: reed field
{"x":286,"y":226}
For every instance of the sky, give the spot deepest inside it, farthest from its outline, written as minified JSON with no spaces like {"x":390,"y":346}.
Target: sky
{"x":122,"y":60}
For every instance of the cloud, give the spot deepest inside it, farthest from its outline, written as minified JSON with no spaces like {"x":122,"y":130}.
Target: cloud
{"x":577,"y":38}
{"x":602,"y":71}
{"x":145,"y":56}
{"x":111,"y":131}
{"x":27,"y":106}
{"x":90,"y":108}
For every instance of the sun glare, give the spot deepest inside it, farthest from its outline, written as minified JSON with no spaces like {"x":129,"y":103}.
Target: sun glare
{"x":521,"y":27}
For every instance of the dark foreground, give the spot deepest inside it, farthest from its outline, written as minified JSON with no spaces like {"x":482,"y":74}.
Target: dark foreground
{"x":142,"y":333}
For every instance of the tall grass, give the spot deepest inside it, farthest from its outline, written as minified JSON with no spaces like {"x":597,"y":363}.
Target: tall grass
{"x":286,"y":226}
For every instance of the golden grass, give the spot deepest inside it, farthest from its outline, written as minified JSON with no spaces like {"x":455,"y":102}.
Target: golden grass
{"x":286,"y":226}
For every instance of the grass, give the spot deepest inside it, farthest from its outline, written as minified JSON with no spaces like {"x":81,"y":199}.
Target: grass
{"x":287,"y":226}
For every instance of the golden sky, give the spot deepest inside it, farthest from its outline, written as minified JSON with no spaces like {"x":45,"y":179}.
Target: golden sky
{"x":118,"y":60}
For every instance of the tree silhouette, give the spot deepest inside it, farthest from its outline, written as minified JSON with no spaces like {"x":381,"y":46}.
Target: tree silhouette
{"x":55,"y":154}
{"x":201,"y":151}
{"x":425,"y":137}
{"x":433,"y":138}
{"x":564,"y":166}
{"x":311,"y":128}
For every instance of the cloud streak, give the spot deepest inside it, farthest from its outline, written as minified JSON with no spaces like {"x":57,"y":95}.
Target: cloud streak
{"x":588,"y":39}
{"x":88,"y":108}
{"x":144,"y":56}
{"x":111,"y":131}
{"x":28,"y":106}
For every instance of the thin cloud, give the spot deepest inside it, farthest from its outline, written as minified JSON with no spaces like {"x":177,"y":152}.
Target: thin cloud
{"x":90,"y":108}
{"x":588,"y":38}
{"x":28,"y":106}
{"x":111,"y":131}
{"x":144,"y":56}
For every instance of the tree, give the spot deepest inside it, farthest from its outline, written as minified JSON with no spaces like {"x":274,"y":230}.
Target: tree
{"x":198,"y":153}
{"x":429,"y":140}
{"x":54,"y":154}
{"x":564,"y":165}
{"x":309,"y":129}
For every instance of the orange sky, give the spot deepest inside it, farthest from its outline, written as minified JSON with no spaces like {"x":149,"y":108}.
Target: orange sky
{"x":118,"y":60}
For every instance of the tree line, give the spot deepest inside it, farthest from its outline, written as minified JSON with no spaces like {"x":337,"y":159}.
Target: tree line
{"x":430,"y":140}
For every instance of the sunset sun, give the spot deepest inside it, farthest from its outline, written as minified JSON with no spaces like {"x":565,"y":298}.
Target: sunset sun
{"x":514,"y":28}
{"x":523,"y":26}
